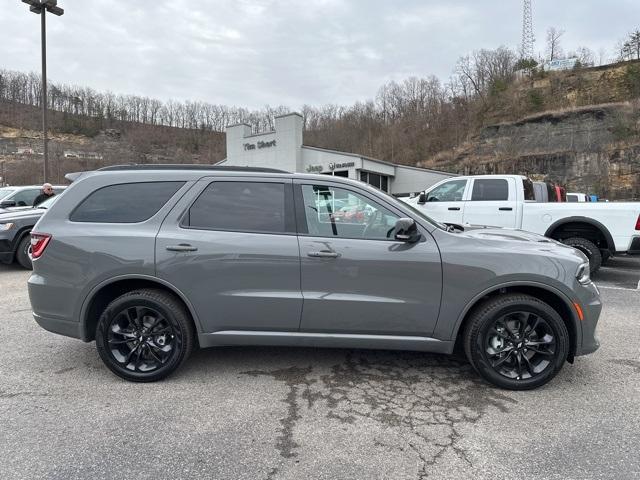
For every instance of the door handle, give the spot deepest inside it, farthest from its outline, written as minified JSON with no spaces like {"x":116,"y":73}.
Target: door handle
{"x":454,"y":208}
{"x":505,"y":209}
{"x":183,"y":247}
{"x":323,"y":254}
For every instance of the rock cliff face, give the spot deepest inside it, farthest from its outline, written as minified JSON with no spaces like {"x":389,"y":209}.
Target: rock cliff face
{"x":588,"y":149}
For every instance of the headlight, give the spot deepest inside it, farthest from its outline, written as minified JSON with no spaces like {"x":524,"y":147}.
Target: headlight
{"x":6,"y":226}
{"x":583,"y":274}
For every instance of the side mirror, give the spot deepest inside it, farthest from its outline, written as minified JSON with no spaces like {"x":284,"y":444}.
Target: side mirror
{"x":422,"y":198}
{"x":7,"y":204}
{"x":407,"y":230}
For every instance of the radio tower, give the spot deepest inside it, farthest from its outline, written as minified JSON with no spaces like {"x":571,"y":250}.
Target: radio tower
{"x":526,"y":50}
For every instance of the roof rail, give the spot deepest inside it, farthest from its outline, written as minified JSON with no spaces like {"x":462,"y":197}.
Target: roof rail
{"x":169,"y":166}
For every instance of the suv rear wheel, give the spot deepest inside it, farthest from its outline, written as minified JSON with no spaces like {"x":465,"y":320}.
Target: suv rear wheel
{"x":516,"y":342}
{"x":144,"y":335}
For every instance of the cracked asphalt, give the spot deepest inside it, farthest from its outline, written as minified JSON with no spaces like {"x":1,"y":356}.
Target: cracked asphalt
{"x":283,"y":413}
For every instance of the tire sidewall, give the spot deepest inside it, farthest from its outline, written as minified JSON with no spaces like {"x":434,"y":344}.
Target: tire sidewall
{"x":481,"y":361}
{"x":104,"y":349}
{"x":589,"y":249}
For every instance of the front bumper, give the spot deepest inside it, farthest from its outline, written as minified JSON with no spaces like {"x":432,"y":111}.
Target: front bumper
{"x":589,"y":300}
{"x":6,"y":254}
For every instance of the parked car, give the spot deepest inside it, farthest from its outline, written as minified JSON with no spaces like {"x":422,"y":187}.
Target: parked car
{"x":15,"y":227}
{"x":599,"y":230}
{"x":23,"y":196}
{"x":215,"y":256}
{"x":581,"y":197}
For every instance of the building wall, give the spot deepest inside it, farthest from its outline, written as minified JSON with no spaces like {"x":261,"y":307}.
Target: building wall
{"x":412,"y":180}
{"x":283,"y":149}
{"x":320,"y":161}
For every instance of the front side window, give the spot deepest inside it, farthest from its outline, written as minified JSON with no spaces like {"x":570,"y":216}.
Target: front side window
{"x":490,"y":190}
{"x":25,"y":197}
{"x":242,"y":206}
{"x":448,"y":192}
{"x":337,"y":212}
{"x":125,"y":202}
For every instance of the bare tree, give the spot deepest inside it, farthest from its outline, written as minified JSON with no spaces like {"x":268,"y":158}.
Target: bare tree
{"x":554,"y":49}
{"x":629,"y":48}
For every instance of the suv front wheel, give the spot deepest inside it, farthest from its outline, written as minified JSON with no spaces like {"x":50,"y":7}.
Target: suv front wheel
{"x":144,"y":335}
{"x":516,"y":341}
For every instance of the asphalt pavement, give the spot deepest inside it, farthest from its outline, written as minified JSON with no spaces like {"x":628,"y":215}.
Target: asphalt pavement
{"x":286,"y":413}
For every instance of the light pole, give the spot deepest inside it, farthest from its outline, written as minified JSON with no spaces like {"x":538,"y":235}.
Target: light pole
{"x":41,"y":8}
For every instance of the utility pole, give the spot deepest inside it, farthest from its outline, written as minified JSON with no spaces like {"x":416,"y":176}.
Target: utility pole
{"x":528,"y":40}
{"x":41,"y":8}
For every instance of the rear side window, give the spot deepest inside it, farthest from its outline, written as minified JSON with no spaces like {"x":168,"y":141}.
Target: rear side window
{"x":264,"y":207}
{"x":125,"y":202}
{"x":490,"y":190}
{"x":529,"y":191}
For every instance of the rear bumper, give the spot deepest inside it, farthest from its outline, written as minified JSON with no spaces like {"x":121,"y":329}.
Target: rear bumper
{"x":61,"y":327}
{"x":50,"y":306}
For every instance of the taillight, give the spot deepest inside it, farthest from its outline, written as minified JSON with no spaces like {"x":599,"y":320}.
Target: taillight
{"x":638,"y":223}
{"x":39,"y":242}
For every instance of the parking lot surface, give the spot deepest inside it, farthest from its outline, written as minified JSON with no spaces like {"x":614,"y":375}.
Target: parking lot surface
{"x":271,"y":413}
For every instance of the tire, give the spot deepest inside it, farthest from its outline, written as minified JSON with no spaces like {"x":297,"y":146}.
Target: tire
{"x":145,"y":335}
{"x":589,"y":249}
{"x":22,"y":253}
{"x":504,"y":365}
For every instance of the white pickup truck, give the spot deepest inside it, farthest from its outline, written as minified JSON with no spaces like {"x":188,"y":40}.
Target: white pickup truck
{"x":599,"y":230}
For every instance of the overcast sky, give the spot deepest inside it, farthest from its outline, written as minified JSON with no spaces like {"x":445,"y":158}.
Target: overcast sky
{"x":256,"y":52}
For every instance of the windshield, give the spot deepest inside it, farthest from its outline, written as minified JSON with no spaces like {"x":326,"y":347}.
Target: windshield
{"x":5,"y":192}
{"x":421,"y":214}
{"x":47,"y":203}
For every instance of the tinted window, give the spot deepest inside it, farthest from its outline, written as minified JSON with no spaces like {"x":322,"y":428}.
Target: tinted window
{"x":242,"y":206}
{"x":25,"y":197}
{"x":448,"y":192}
{"x":529,"y":193}
{"x":5,"y":192}
{"x":125,"y":202}
{"x":337,"y":212}
{"x":490,"y":189}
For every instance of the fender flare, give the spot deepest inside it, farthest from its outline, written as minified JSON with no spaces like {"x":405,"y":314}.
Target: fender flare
{"x":515,"y":283}
{"x":595,"y":223}
{"x":84,"y":335}
{"x":18,"y":238}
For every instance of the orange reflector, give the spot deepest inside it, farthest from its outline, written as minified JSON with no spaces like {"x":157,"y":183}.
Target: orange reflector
{"x":579,"y":310}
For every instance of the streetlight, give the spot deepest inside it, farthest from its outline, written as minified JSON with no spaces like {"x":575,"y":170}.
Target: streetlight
{"x":41,"y":8}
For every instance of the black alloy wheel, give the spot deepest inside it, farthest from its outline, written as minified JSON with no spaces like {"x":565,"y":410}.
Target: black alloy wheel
{"x":516,"y":341}
{"x":520,"y":345}
{"x":141,"y":340}
{"x":144,"y":335}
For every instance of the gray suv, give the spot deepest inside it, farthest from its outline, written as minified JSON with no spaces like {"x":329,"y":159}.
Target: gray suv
{"x":152,"y":261}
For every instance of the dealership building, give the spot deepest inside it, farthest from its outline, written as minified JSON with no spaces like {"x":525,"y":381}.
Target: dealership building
{"x":283,"y":149}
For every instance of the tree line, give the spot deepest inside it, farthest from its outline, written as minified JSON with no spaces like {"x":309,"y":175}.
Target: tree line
{"x":406,"y":121}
